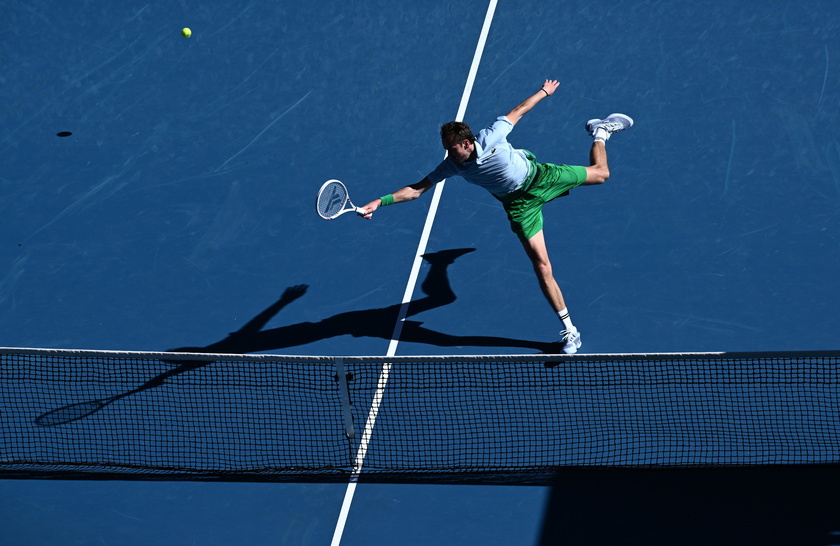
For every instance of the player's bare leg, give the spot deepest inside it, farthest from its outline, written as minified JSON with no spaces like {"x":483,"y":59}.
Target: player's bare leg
{"x":598,"y":172}
{"x":537,"y":252}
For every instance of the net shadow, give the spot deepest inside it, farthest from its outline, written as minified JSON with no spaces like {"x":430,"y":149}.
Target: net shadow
{"x":771,"y":506}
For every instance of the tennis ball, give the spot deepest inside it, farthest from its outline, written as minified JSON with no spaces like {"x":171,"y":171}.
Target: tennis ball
{"x":186,"y":33}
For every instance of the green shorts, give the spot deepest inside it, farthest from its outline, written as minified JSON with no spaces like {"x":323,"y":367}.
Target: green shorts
{"x":524,"y":206}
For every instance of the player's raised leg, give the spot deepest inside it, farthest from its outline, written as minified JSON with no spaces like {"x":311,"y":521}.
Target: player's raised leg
{"x":601,"y":130}
{"x":599,"y":171}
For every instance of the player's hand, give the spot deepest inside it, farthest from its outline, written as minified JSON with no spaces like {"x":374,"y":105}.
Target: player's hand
{"x":551,"y":86}
{"x":293,"y":292}
{"x":367,"y":210}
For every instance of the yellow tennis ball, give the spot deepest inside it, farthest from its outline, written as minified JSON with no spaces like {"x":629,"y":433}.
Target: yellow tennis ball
{"x":186,"y":33}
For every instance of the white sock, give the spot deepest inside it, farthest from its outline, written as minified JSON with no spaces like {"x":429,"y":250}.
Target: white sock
{"x":564,"y":316}
{"x":601,"y":134}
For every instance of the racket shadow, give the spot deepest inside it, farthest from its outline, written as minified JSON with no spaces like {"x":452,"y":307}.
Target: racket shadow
{"x":79,"y":410}
{"x":374,"y":323}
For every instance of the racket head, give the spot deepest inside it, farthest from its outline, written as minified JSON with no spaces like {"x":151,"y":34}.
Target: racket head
{"x":331,"y":199}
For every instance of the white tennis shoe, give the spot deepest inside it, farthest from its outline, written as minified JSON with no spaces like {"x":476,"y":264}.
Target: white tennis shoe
{"x":571,"y":340}
{"x":604,"y":128}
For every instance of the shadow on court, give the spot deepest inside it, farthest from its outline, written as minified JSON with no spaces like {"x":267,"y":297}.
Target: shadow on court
{"x":378,"y":323}
{"x":781,"y":506}
{"x":374,"y":323}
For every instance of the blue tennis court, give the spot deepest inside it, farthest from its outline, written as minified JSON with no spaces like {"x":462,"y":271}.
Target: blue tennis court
{"x":158,"y":194}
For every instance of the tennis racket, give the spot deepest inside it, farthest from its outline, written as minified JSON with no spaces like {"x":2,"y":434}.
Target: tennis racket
{"x":333,"y":201}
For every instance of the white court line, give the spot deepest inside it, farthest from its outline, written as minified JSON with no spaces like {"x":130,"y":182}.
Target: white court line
{"x":409,"y":292}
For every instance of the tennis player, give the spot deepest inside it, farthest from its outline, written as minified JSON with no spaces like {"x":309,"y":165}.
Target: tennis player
{"x":522,"y":184}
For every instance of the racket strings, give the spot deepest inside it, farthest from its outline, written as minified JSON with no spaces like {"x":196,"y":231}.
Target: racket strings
{"x":332,"y":199}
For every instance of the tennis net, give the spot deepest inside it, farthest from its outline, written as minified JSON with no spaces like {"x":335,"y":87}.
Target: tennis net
{"x":491,"y":419}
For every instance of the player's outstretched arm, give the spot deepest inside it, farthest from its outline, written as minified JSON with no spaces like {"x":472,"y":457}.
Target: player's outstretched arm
{"x":546,"y":90}
{"x":407,"y":193}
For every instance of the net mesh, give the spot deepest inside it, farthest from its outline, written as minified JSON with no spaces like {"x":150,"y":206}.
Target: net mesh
{"x":505,"y":418}
{"x":331,"y":199}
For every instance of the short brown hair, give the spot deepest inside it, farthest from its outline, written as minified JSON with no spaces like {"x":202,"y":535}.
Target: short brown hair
{"x":456,"y":130}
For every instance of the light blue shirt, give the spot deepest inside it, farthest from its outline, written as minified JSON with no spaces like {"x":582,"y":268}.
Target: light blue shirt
{"x":499,"y":168}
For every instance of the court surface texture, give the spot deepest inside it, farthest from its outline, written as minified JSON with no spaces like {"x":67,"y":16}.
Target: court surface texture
{"x":158,"y":193}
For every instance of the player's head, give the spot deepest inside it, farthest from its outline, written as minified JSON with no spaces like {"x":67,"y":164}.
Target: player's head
{"x":456,"y":130}
{"x":458,"y":140}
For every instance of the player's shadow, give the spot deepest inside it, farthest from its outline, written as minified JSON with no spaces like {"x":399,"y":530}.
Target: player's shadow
{"x":377,"y":323}
{"x":374,"y":323}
